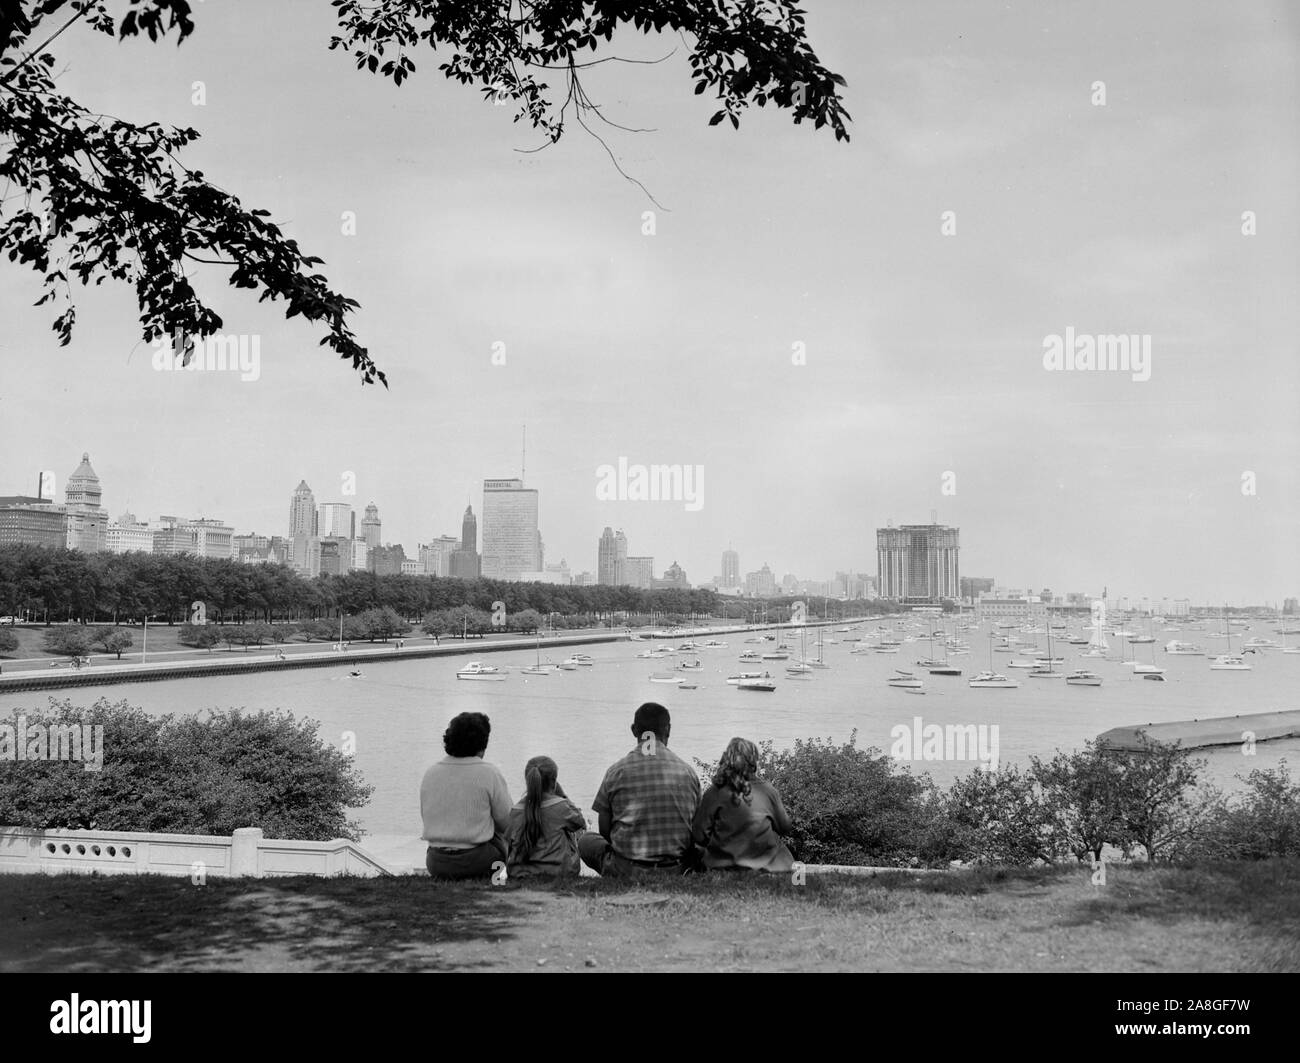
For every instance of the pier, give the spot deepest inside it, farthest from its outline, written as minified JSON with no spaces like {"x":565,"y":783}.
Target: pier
{"x":1215,"y":731}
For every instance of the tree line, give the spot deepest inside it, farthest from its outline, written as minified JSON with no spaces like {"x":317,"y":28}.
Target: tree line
{"x":68,"y":585}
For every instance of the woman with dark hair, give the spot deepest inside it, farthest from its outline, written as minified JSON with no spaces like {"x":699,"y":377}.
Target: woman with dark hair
{"x":465,"y":804}
{"x":741,"y":819}
{"x":544,"y":825}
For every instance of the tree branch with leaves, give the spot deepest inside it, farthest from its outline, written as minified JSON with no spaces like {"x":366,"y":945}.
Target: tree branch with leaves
{"x":93,"y":197}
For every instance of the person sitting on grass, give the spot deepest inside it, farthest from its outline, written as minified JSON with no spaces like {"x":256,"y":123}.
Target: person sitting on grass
{"x":741,"y":820}
{"x":545,"y":825}
{"x":465,"y":804}
{"x":645,"y":804}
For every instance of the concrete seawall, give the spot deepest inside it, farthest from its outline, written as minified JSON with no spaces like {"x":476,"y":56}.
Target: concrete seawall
{"x":35,"y":679}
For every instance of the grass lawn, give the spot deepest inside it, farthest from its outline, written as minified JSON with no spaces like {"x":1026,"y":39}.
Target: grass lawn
{"x":1219,"y":918}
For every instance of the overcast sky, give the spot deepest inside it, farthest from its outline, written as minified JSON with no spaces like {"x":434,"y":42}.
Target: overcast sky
{"x":924,"y":351}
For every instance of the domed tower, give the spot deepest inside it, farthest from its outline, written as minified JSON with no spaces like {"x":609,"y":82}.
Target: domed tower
{"x":87,"y":518}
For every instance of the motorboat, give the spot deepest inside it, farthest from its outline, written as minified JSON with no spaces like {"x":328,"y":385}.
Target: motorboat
{"x":583,"y":660}
{"x":757,"y":684}
{"x":945,"y":671}
{"x":714,"y":644}
{"x":1017,"y":663}
{"x":666,"y":677}
{"x":1184,"y":649}
{"x":691,"y":666}
{"x":1043,"y":671}
{"x":993,"y":681}
{"x":777,"y":655}
{"x":740,"y":677}
{"x":479,"y":670}
{"x":1157,"y":676}
{"x":1229,"y":662}
{"x":798,"y":668}
{"x":904,"y":680}
{"x":1083,"y":678}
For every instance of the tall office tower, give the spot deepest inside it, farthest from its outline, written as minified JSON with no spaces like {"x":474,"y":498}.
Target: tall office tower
{"x":761,"y":584}
{"x":336,"y":521}
{"x":639,"y":572}
{"x":918,"y":563}
{"x":87,"y":519}
{"x":465,"y":561}
{"x":302,"y":511}
{"x":370,"y":526}
{"x":469,"y":531}
{"x":730,"y":569}
{"x":611,"y":559}
{"x":510,"y":538}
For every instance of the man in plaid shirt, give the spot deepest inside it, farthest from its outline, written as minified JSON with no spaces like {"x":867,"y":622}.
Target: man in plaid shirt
{"x":645,"y":805}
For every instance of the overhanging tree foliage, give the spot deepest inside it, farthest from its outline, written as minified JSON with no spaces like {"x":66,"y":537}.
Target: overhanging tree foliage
{"x":90,"y":196}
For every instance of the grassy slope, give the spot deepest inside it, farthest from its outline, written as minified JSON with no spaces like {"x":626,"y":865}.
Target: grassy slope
{"x":1228,"y":917}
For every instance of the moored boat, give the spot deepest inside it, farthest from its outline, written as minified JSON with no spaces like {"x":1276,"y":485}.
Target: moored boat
{"x":481,"y":671}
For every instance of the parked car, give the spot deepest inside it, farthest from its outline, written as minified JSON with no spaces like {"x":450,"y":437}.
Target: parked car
{"x":9,"y":620}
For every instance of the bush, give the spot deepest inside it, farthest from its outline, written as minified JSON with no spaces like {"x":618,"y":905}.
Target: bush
{"x":8,"y":641}
{"x":998,"y":818}
{"x":69,"y":640}
{"x":112,"y":640}
{"x":188,"y":776}
{"x":1260,"y":823}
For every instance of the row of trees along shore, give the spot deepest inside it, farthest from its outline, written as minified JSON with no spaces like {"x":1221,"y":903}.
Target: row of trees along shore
{"x":65,"y":585}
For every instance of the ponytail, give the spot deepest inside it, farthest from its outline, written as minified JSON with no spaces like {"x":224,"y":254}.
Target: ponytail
{"x":539,"y":778}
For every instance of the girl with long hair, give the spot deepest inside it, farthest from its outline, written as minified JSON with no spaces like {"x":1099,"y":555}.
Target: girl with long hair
{"x":544,"y":825}
{"x":741,"y":820}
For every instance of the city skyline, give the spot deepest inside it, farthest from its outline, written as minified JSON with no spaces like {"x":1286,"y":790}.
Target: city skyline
{"x":306,"y":509}
{"x":840,"y":335}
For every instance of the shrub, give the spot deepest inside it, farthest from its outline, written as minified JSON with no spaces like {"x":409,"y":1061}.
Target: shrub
{"x":112,"y":640}
{"x":189,"y":776}
{"x":1262,"y":822}
{"x":997,"y":817}
{"x":1082,"y":796}
{"x":70,"y":640}
{"x":8,"y":641}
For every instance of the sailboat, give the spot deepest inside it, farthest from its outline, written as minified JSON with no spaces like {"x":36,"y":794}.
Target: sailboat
{"x":1151,"y":669}
{"x":945,"y":668}
{"x":1046,"y":672}
{"x":1285,"y":647}
{"x":538,"y":668}
{"x":1229,"y":662}
{"x":1097,"y":645}
{"x":992,"y":679}
{"x":820,"y":662}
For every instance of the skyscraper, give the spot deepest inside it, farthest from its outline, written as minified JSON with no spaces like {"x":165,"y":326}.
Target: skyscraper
{"x":730,"y":576}
{"x":87,"y":518}
{"x":510,"y":537}
{"x":918,"y":563}
{"x":302,"y":511}
{"x":611,"y":558}
{"x":370,"y":526}
{"x":639,"y":572}
{"x":465,"y":561}
{"x":336,"y":521}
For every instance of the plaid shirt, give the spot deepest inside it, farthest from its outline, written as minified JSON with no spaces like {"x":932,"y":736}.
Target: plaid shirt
{"x":651,"y":800}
